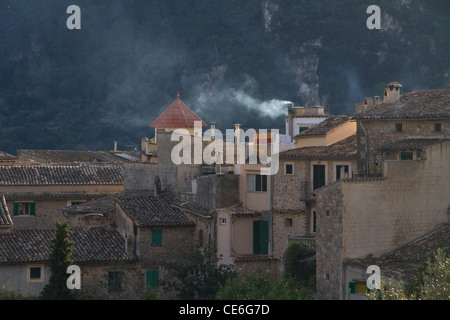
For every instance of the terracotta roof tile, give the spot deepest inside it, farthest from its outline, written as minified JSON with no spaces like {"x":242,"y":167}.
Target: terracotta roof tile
{"x":177,"y":115}
{"x":5,"y":218}
{"x":413,"y":105}
{"x":344,"y":149}
{"x":67,"y":157}
{"x":90,"y":245}
{"x":150,"y":210}
{"x":322,"y":128}
{"x":402,"y":262}
{"x":6,"y":156}
{"x":61,"y":175}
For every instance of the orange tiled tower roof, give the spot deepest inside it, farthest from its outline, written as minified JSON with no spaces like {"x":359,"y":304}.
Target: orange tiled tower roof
{"x":177,"y":115}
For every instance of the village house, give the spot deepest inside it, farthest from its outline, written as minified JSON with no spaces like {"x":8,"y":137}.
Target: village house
{"x":106,"y":268}
{"x":302,"y":171}
{"x":36,"y":195}
{"x":371,"y":214}
{"x":7,"y":159}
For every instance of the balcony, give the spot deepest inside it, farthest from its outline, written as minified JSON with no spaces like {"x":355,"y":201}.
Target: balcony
{"x":307,"y":241}
{"x":306,"y":191}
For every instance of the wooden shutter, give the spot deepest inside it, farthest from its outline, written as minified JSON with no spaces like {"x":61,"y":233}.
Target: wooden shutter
{"x":156,"y":237}
{"x":256,"y":236}
{"x":16,"y":208}
{"x":352,"y":287}
{"x":264,"y":236}
{"x":152,"y":278}
{"x":32,"y":209}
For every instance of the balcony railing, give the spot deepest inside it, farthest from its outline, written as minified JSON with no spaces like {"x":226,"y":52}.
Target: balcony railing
{"x":308,"y":241}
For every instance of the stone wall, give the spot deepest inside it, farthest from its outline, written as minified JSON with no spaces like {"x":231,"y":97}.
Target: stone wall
{"x":176,"y":242}
{"x":288,"y":224}
{"x":329,"y":241}
{"x":382,"y":132}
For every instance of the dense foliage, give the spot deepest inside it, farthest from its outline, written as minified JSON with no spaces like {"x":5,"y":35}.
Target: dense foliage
{"x":431,"y":282}
{"x":84,"y":89}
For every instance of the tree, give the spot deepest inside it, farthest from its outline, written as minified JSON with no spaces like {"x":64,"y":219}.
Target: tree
{"x":262,"y":286}
{"x":198,"y":275}
{"x":56,"y":289}
{"x":431,"y":282}
{"x":300,"y":264}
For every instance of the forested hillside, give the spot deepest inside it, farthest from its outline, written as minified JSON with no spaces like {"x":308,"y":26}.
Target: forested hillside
{"x":84,"y":89}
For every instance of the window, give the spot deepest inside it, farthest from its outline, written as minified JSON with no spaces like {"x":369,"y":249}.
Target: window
{"x":24,"y":209}
{"x":223,"y":221}
{"x":115,"y":281}
{"x":261,"y":237}
{"x":341,"y":172}
{"x":257,"y":183}
{"x":406,"y":155}
{"x":398,"y":127}
{"x":318,"y":176}
{"x":35,"y":273}
{"x":156,"y":237}
{"x":288,"y":222}
{"x":75,"y":203}
{"x":357,"y":286}
{"x":437,"y":127}
{"x":314,"y":218}
{"x":152,"y":278}
{"x":289,"y":168}
{"x":301,"y":129}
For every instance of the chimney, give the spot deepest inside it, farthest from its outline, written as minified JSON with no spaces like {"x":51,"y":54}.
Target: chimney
{"x":213,"y":130}
{"x":290,"y":107}
{"x":115,"y":146}
{"x":237,"y":133}
{"x":392,"y":92}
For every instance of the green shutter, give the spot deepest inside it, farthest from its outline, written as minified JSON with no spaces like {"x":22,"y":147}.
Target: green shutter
{"x":32,"y":209}
{"x":152,"y":278}
{"x":156,"y":237}
{"x":16,"y":208}
{"x":256,"y":236}
{"x":264,"y":236}
{"x":352,"y":287}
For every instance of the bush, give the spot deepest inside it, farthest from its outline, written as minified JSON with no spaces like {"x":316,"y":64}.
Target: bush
{"x":300,"y":264}
{"x":6,"y":294}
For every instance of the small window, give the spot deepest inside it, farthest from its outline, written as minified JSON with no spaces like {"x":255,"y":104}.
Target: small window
{"x":327,"y":213}
{"x":301,"y":129}
{"x":35,"y":273}
{"x":314,"y":217}
{"x":342,"y":172}
{"x":288,"y":222}
{"x":24,"y":209}
{"x":156,"y":237}
{"x":223,"y":221}
{"x":437,"y":127}
{"x":115,"y":281}
{"x":257,"y":183}
{"x":406,"y":155}
{"x":289,"y":168}
{"x":398,"y":127}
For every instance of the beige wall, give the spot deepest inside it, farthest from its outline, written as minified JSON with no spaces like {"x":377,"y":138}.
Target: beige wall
{"x":258,"y":201}
{"x":341,"y":132}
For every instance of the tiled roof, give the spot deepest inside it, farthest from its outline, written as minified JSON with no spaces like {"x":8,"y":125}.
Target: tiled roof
{"x":344,"y":149}
{"x":35,"y":245}
{"x":6,"y":156}
{"x":66,"y":157}
{"x":101,"y":205}
{"x":5,"y":218}
{"x":150,"y":210}
{"x":322,"y":128}
{"x":34,"y":196}
{"x":413,"y":105}
{"x":412,"y":144}
{"x":402,"y":262}
{"x":177,"y":115}
{"x":61,"y":175}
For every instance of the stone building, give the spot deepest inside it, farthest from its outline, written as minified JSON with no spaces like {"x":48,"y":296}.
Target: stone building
{"x":36,"y":195}
{"x":420,"y":114}
{"x":106,"y":268}
{"x":409,"y":197}
{"x":303,"y":171}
